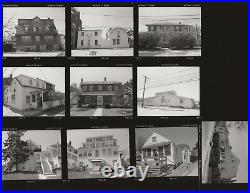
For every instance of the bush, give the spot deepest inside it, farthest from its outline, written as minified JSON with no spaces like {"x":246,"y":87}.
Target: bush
{"x":7,"y":47}
{"x":182,"y":40}
{"x":148,"y":41}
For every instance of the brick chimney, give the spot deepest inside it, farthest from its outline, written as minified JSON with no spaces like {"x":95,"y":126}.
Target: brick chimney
{"x":105,"y":79}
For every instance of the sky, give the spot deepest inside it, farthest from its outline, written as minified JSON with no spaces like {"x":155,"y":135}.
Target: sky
{"x":45,"y":138}
{"x":56,"y":13}
{"x":180,"y":135}
{"x":54,"y":75}
{"x":185,"y":15}
{"x":78,"y":136}
{"x":121,"y":74}
{"x":161,"y":76}
{"x":100,"y":17}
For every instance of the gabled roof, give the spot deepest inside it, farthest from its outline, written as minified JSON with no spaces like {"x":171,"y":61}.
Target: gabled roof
{"x":159,"y":140}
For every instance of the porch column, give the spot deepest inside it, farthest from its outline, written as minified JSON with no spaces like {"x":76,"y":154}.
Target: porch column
{"x":163,"y":151}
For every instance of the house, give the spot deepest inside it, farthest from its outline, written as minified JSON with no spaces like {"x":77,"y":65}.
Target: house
{"x":99,"y":151}
{"x":76,"y":25}
{"x":104,"y":38}
{"x":170,"y":99}
{"x":26,"y":92}
{"x":227,"y":162}
{"x":41,"y":161}
{"x":168,"y":29}
{"x":161,"y":154}
{"x":100,"y":93}
{"x":37,"y":35}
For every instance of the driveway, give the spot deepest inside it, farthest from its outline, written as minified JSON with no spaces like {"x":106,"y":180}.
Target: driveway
{"x":104,"y":52}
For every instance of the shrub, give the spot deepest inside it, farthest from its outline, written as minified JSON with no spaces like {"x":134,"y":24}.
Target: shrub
{"x":182,"y":40}
{"x":148,"y":41}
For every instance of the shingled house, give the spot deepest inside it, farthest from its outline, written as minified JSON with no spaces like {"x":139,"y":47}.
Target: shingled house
{"x":37,"y":35}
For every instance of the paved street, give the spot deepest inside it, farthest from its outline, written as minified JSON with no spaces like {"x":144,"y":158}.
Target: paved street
{"x":104,"y":52}
{"x":166,"y":111}
{"x":167,"y":52}
{"x":101,"y":112}
{"x":33,"y":54}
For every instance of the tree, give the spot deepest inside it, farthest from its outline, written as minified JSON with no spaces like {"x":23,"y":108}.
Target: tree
{"x":128,"y":93}
{"x":148,"y":41}
{"x":182,"y":40}
{"x":15,"y":150}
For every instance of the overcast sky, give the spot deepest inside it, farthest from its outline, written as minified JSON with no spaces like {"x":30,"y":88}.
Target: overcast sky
{"x":162,"y":79}
{"x":56,"y":13}
{"x":45,"y":138}
{"x":54,"y":75}
{"x":99,"y":17}
{"x":185,"y":15}
{"x":78,"y":136}
{"x":180,"y":135}
{"x":121,"y":74}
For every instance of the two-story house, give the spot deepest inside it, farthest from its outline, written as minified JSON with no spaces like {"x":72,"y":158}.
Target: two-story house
{"x":25,"y":92}
{"x":37,"y":35}
{"x":99,"y":151}
{"x":104,"y":38}
{"x":100,"y":93}
{"x":171,"y":99}
{"x":166,"y":30}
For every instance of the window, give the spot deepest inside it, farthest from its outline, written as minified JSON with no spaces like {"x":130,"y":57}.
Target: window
{"x":118,"y":34}
{"x":30,"y":82}
{"x":109,"y":151}
{"x":160,"y":150}
{"x":100,"y":87}
{"x":181,"y":101}
{"x":114,"y":42}
{"x":96,"y":42}
{"x":110,"y":88}
{"x":116,"y":88}
{"x":81,"y":42}
{"x":48,"y":38}
{"x":27,"y":99}
{"x":96,"y":33}
{"x":37,"y":38}
{"x":91,"y":88}
{"x":84,"y":88}
{"x":154,"y":139}
{"x":167,"y":149}
{"x":26,"y":28}
{"x":26,"y":39}
{"x":37,"y":83}
{"x":115,"y":152}
{"x":34,"y":29}
{"x":82,"y":33}
{"x":33,"y":98}
{"x":47,"y":28}
{"x":118,"y":41}
{"x":114,"y":143}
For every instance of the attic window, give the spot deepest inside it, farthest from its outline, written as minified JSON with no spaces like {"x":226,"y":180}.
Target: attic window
{"x":154,"y":139}
{"x":96,"y":33}
{"x":26,"y":29}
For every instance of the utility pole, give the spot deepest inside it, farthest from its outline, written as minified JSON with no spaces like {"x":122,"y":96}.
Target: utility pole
{"x":144,"y":89}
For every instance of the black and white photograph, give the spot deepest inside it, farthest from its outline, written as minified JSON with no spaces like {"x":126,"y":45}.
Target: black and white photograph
{"x":169,"y":31}
{"x":167,"y":151}
{"x":224,"y":152}
{"x":33,"y":31}
{"x":89,"y":150}
{"x":168,"y":91}
{"x":33,"y":91}
{"x":102,"y":31}
{"x":101,"y":91}
{"x":31,"y":154}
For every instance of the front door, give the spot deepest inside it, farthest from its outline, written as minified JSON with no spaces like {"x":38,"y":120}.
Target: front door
{"x":99,"y":100}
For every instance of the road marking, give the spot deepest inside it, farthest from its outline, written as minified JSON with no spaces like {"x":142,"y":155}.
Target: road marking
{"x":98,"y":112}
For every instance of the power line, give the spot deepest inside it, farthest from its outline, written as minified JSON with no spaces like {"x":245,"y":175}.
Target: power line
{"x":109,"y":15}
